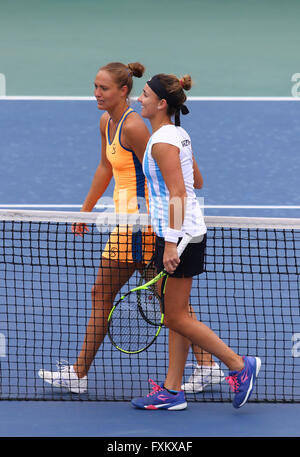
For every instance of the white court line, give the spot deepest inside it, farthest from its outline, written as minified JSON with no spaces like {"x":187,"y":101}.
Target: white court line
{"x":112,"y":206}
{"x":73,"y":98}
{"x":254,"y":206}
{"x":50,"y":206}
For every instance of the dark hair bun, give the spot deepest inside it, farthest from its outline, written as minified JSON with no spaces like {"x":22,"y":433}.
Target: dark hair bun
{"x":137,"y":69}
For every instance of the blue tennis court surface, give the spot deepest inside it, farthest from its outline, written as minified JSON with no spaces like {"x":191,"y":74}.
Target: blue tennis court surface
{"x":112,"y":419}
{"x":248,"y":152}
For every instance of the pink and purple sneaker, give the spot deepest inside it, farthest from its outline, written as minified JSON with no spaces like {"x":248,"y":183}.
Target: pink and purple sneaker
{"x":242,"y":382}
{"x":161,"y":398}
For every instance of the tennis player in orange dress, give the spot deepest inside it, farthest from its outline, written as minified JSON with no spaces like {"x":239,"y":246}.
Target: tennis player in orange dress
{"x":124,"y":137}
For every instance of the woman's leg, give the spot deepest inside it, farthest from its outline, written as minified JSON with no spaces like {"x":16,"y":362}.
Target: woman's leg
{"x":202,"y":357}
{"x":178,"y":351}
{"x":183,"y":328}
{"x":112,"y":275}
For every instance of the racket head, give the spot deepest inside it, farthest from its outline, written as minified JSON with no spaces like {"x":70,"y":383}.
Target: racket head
{"x":127,"y":329}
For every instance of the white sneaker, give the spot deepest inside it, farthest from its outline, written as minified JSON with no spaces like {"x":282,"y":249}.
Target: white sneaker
{"x":65,"y":377}
{"x":203,"y":376}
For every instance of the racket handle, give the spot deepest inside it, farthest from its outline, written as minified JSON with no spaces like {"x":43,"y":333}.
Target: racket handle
{"x":183,"y":243}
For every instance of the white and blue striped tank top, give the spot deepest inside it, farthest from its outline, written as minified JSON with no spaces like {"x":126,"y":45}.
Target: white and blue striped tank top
{"x":158,"y":192}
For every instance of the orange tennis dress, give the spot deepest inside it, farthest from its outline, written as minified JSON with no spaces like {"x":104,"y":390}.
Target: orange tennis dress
{"x":128,"y":243}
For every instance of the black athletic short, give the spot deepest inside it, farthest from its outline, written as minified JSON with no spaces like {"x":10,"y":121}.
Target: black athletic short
{"x":191,"y":260}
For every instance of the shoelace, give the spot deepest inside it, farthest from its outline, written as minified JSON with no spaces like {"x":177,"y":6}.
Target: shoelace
{"x":155,"y":388}
{"x":233,"y":383}
{"x":62,"y":365}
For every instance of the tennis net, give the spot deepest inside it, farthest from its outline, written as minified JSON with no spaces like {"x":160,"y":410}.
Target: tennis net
{"x":249,"y":295}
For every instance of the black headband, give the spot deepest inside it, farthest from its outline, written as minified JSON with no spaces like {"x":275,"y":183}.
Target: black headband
{"x":155,"y":84}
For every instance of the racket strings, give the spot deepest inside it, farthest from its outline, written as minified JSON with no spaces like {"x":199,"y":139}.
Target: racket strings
{"x":131,"y":326}
{"x":149,"y":300}
{"x":149,"y":305}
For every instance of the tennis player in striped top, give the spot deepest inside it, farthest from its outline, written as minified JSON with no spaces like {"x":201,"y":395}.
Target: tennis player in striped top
{"x":170,"y":168}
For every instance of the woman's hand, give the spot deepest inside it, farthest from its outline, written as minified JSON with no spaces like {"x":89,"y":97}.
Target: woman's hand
{"x":170,"y":259}
{"x":79,"y":229}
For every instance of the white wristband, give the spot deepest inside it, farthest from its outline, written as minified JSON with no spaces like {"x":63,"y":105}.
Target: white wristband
{"x":172,"y":235}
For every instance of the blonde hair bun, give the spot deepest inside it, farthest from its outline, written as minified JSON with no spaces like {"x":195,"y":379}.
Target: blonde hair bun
{"x":136,"y":69}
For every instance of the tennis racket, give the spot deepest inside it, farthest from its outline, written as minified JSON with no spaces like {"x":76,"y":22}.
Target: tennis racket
{"x":149,"y":299}
{"x":137,"y":318}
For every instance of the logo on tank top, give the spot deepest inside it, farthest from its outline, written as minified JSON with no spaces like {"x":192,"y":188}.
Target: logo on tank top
{"x":114,"y":148}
